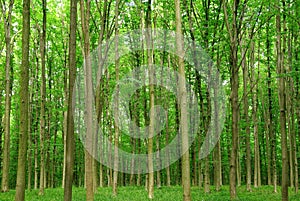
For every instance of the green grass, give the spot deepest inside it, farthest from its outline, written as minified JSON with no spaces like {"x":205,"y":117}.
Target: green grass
{"x":173,"y":193}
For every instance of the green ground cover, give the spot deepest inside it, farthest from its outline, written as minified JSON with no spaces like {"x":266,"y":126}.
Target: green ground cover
{"x":173,"y":193}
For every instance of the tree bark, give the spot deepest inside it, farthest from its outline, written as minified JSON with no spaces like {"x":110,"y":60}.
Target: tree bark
{"x":282,"y":107}
{"x":70,"y":141}
{"x":233,"y":33}
{"x":152,"y":102}
{"x":185,"y":168}
{"x":85,"y":19}
{"x":24,"y":79}
{"x":116,"y":103}
{"x":254,"y":117}
{"x":8,"y":87}
{"x":246,"y":117}
{"x":43,"y":104}
{"x":29,"y":150}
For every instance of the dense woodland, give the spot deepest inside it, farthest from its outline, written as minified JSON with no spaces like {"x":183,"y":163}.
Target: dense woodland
{"x":45,"y":47}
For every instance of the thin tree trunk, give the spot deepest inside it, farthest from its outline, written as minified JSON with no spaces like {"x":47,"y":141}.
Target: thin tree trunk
{"x":43,"y":104}
{"x":24,"y":79}
{"x":116,"y":104}
{"x":271,"y":134}
{"x":65,"y":113}
{"x":35,"y":127}
{"x":168,"y":173}
{"x":297,"y":97}
{"x":35,"y":159}
{"x":152,"y":104}
{"x":55,"y":149}
{"x":246,"y":117}
{"x":233,"y":33}
{"x":8,"y":86}
{"x":100,"y":96}
{"x":85,"y":19}
{"x":70,"y":141}
{"x":29,"y":151}
{"x":183,"y":106}
{"x":282,"y":106}
{"x":254,"y":116}
{"x":257,"y":105}
{"x":238,"y":165}
{"x":291,"y":121}
{"x":207,"y":119}
{"x":206,"y":175}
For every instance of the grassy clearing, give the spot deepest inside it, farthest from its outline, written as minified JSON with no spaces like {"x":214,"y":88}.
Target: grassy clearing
{"x":173,"y":193}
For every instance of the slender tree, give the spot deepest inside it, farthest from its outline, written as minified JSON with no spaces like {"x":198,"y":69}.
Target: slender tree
{"x":85,"y":20}
{"x":246,"y":117}
{"x":116,"y":103}
{"x":43,"y":102}
{"x":8,"y":86}
{"x":282,"y":107}
{"x":183,"y":105}
{"x":152,"y":117}
{"x":24,"y":81}
{"x":70,"y":142}
{"x":271,"y":133}
{"x":233,"y":35}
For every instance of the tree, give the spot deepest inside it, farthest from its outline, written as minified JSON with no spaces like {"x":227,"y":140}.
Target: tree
{"x":271,"y":133}
{"x":8,"y":86}
{"x":85,"y":19}
{"x":183,"y":106}
{"x":152,"y":102}
{"x":233,"y":35}
{"x":24,"y":79}
{"x":70,"y":142}
{"x":43,"y":102}
{"x":116,"y":103}
{"x":282,"y":107}
{"x":246,"y":108}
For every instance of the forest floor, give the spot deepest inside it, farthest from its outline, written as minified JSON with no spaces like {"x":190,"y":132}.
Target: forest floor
{"x":173,"y":193}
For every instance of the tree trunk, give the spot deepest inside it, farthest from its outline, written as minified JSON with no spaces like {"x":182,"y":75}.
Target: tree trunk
{"x":271,"y":134}
{"x":233,"y":33}
{"x":282,"y":107}
{"x":35,"y":123}
{"x":254,"y":116}
{"x":43,"y":104}
{"x":70,"y":141}
{"x":152,"y":104}
{"x":24,"y":79}
{"x":246,"y":117}
{"x":183,"y":106}
{"x":85,"y":19}
{"x":116,"y":103}
{"x":8,"y":87}
{"x":29,"y":151}
{"x":291,"y":122}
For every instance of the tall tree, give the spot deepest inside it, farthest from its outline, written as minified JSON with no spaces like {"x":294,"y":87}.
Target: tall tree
{"x":43,"y":102}
{"x":85,"y":20}
{"x":246,"y":117}
{"x":152,"y":101}
{"x":282,"y":107}
{"x":8,"y":86}
{"x":70,"y":142}
{"x":233,"y":36}
{"x":116,"y":102}
{"x":24,"y":81}
{"x":183,"y":105}
{"x":271,"y":133}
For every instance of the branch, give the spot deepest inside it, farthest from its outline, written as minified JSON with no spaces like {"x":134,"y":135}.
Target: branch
{"x":227,"y":21}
